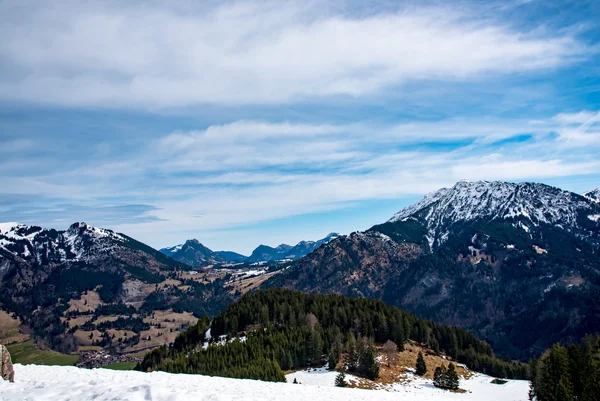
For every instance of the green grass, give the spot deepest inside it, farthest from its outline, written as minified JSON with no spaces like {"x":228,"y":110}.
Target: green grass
{"x":28,"y":353}
{"x":120,"y":366}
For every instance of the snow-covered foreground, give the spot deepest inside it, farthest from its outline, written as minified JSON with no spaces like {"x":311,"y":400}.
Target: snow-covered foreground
{"x":45,"y":383}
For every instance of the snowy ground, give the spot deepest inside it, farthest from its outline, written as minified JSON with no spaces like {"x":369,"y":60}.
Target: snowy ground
{"x":50,"y":383}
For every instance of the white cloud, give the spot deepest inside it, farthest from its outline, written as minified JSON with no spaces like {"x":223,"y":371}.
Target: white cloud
{"x":230,"y":175}
{"x":161,"y":56}
{"x":579,"y":129}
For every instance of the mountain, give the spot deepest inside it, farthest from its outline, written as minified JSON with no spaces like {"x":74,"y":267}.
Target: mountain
{"x":284,"y":251}
{"x":518,"y":264}
{"x":193,"y":253}
{"x":81,"y":243}
{"x":48,"y":277}
{"x":229,"y":256}
{"x":594,"y":194}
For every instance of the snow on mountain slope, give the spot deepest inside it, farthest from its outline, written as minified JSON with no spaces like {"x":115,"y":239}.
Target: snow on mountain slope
{"x":467,"y":201}
{"x":593,"y":195}
{"x":470,"y":200}
{"x":80,"y":242}
{"x":53,"y":383}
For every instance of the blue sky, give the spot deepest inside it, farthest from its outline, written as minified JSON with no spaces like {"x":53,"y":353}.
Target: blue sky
{"x":239,"y":123}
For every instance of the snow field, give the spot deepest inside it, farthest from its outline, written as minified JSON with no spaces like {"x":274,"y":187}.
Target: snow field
{"x":54,"y":383}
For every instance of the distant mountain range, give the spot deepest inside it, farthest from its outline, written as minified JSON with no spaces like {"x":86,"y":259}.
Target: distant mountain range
{"x":193,"y":253}
{"x":519,"y":264}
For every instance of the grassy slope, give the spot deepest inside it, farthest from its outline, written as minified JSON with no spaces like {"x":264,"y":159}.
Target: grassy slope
{"x":120,"y":366}
{"x":28,"y":353}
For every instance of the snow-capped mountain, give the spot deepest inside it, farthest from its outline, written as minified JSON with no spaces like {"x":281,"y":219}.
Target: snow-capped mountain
{"x":516,"y":263}
{"x":193,"y":253}
{"x":527,"y":205}
{"x":42,"y":270}
{"x":80,"y":242}
{"x":593,"y":195}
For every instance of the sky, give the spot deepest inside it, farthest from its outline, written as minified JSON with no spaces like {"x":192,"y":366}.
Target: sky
{"x":256,"y":122}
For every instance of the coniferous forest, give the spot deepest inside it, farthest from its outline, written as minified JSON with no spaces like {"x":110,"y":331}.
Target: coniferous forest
{"x":277,"y":330}
{"x":567,"y":373}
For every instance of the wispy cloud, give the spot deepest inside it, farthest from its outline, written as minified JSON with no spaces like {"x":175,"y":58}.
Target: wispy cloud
{"x":245,"y":172}
{"x":160,"y":55}
{"x":168,"y":120}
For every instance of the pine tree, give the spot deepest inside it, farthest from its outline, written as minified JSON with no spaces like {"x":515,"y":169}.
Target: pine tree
{"x":421,"y":367}
{"x":368,"y":366}
{"x":452,"y":378}
{"x":333,"y":359}
{"x":439,"y":376}
{"x":352,"y":354}
{"x":314,"y":348}
{"x":340,"y":379}
{"x":551,"y":369}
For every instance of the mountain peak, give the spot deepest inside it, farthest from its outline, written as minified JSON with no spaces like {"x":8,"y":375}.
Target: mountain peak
{"x":593,"y":195}
{"x":536,"y":203}
{"x":8,"y":226}
{"x":79,"y":242}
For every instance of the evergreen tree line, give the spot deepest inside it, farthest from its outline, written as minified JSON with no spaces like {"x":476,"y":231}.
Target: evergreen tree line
{"x":567,"y":373}
{"x":446,"y":377}
{"x":295,"y":330}
{"x":367,"y":318}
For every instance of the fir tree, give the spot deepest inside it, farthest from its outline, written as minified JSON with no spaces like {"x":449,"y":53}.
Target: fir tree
{"x":340,"y":379}
{"x":439,"y":376}
{"x":421,"y":367}
{"x":333,"y":359}
{"x":452,"y":378}
{"x":352,"y":354}
{"x":368,"y":366}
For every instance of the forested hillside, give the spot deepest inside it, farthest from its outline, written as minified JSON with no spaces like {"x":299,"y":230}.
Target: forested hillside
{"x":517,"y":264}
{"x":563,"y":374}
{"x":283,"y":329}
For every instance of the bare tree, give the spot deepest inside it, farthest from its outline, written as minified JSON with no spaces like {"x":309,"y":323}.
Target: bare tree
{"x":311,"y":321}
{"x":390,"y":349}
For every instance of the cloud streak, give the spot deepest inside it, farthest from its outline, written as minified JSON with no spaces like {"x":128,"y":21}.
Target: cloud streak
{"x":158,"y":56}
{"x":247,"y":172}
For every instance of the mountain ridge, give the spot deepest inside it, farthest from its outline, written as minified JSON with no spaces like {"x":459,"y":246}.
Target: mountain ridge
{"x":519,"y":264}
{"x":194,"y":253}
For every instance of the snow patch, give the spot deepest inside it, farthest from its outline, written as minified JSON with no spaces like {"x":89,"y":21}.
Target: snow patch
{"x":594,"y":217}
{"x":6,"y":227}
{"x":53,"y":383}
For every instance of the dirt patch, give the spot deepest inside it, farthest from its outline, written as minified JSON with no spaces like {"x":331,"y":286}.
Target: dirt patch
{"x":102,"y":319}
{"x":87,"y":303}
{"x":77,"y":321}
{"x":248,"y":284}
{"x":403,"y":370}
{"x":164,"y":327}
{"x":169,"y":282}
{"x":407,"y":360}
{"x":83,"y":337}
{"x":10,"y":329}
